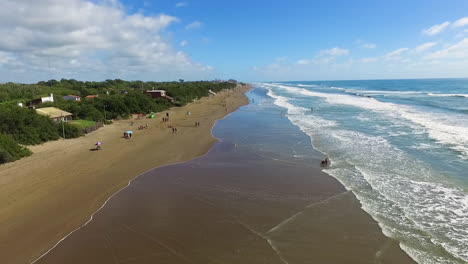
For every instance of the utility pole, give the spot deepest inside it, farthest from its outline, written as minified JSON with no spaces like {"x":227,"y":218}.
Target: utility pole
{"x":63,"y":126}
{"x":105,"y":119}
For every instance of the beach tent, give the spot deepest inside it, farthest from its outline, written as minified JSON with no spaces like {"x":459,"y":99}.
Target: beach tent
{"x":128,"y":134}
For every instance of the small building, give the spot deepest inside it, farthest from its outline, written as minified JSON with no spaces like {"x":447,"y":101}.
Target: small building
{"x":35,"y":102}
{"x":156,"y":93}
{"x":159,"y":94}
{"x":92,"y":96}
{"x":72,"y":98}
{"x":55,"y":114}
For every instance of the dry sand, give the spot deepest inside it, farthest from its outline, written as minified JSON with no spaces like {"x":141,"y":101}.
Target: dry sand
{"x":51,"y":193}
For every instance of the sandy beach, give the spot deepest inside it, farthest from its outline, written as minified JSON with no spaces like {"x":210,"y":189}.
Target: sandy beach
{"x":46,"y":196}
{"x":231,"y":206}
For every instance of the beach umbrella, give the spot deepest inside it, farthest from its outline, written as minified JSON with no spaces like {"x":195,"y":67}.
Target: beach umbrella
{"x":129,"y":132}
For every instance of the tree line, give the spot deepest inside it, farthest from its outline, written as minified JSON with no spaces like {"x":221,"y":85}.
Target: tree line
{"x":116,"y":99}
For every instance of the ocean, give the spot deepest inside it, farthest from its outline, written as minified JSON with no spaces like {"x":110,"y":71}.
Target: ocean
{"x":401,"y":146}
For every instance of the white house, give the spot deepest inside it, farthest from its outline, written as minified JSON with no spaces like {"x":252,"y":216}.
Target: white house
{"x":41,"y":100}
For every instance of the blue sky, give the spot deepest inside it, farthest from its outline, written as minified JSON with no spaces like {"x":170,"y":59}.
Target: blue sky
{"x":245,"y":40}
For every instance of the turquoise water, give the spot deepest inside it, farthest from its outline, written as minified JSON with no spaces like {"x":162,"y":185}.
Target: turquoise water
{"x":400,"y":145}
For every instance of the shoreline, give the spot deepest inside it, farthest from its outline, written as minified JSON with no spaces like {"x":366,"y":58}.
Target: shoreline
{"x":14,"y":250}
{"x":302,"y":218}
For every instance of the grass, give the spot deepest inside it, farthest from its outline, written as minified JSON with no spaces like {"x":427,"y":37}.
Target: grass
{"x":83,"y":123}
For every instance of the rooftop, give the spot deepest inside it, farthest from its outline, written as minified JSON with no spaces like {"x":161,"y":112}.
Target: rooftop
{"x":155,"y":91}
{"x":52,"y":112}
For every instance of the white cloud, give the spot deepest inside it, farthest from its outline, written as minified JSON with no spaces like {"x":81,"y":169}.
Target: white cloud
{"x":334,"y":52}
{"x":183,"y":43}
{"x":424,"y":46}
{"x":368,"y":60}
{"x":396,"y":54}
{"x":194,"y":25}
{"x":181,"y":4}
{"x":369,"y":46}
{"x":99,"y":36}
{"x":461,"y":22}
{"x":303,"y":62}
{"x":5,"y":57}
{"x":436,"y":29}
{"x":456,"y":51}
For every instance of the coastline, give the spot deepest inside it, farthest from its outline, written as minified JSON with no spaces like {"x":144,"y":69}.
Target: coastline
{"x":48,"y":195}
{"x":272,"y":210}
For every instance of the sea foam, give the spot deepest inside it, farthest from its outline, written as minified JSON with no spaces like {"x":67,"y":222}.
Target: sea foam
{"x":406,"y":196}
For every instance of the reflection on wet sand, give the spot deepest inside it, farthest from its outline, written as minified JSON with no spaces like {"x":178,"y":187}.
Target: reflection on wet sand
{"x":230,"y":206}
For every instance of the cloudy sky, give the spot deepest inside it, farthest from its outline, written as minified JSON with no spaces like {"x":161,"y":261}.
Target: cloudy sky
{"x":250,"y":40}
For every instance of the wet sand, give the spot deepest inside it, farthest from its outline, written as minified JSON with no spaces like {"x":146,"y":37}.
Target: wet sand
{"x":231,"y":206}
{"x":46,"y":196}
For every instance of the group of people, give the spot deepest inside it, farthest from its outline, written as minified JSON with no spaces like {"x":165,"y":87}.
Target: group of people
{"x":197,"y":123}
{"x":174,"y":129}
{"x":326,"y":162}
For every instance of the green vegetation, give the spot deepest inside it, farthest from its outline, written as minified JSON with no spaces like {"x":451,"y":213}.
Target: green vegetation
{"x":82,"y":123}
{"x":117,"y":99}
{"x":25,"y":126}
{"x":10,"y":150}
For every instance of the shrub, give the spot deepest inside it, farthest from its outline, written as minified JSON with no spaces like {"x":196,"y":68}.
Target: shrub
{"x":26,"y":126}
{"x":10,"y":150}
{"x":5,"y":156}
{"x":71,"y":131}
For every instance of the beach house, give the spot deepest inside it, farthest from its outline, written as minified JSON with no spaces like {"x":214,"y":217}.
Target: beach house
{"x":55,"y":114}
{"x":159,"y":94}
{"x":35,"y":102}
{"x":75,"y":98}
{"x":156,"y":93}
